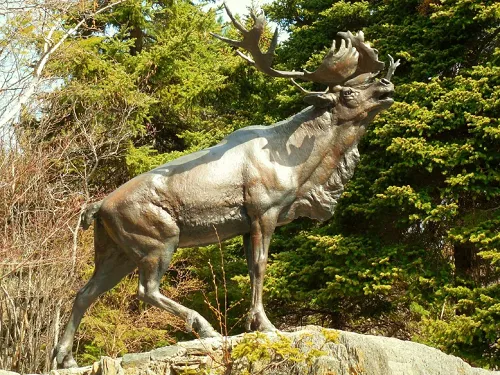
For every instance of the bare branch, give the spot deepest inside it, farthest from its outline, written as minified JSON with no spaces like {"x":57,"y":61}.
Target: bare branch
{"x":48,"y":49}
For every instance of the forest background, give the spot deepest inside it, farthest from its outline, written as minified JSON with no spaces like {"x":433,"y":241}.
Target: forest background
{"x":412,"y":251}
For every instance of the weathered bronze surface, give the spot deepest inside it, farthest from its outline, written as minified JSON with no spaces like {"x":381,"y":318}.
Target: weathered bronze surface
{"x":256,"y":179}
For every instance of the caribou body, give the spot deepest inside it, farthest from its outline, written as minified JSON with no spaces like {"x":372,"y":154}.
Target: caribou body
{"x":256,"y":179}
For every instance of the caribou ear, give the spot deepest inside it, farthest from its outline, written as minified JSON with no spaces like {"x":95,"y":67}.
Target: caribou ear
{"x":321,"y":100}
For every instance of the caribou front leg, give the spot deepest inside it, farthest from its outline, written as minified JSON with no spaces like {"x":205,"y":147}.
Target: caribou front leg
{"x":256,"y":249}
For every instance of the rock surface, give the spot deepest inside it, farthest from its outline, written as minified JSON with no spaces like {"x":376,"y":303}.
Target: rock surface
{"x":328,"y":352}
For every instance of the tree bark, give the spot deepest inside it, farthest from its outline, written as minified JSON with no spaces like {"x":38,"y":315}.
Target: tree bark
{"x":464,"y":258}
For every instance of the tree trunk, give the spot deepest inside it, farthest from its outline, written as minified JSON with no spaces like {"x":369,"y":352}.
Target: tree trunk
{"x":137,"y":34}
{"x":464,"y":258}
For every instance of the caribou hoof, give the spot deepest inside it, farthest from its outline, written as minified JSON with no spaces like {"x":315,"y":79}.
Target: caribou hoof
{"x":258,"y":321}
{"x":64,"y":359}
{"x":203,"y":329}
{"x":69,"y":362}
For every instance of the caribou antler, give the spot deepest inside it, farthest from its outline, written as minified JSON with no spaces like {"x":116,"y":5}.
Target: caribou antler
{"x":353,"y":58}
{"x":262,"y":61}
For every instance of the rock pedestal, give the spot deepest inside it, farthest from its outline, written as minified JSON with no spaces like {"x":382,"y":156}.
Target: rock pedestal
{"x":328,"y":352}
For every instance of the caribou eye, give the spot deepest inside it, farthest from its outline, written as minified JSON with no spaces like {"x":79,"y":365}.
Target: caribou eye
{"x":347,"y":92}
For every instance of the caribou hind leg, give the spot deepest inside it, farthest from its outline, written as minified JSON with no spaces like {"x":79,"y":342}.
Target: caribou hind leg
{"x":149,"y":235}
{"x":111,"y":266}
{"x":151,"y":270}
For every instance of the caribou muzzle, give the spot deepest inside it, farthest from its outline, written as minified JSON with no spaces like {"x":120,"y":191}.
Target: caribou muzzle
{"x":384,"y":92}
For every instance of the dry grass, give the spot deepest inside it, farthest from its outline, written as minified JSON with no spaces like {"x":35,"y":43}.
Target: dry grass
{"x":37,"y":261}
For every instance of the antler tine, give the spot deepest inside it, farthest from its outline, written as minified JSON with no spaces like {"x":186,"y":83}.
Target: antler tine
{"x":232,"y":42}
{"x":307,"y":92}
{"x":342,"y":49}
{"x":235,"y":22}
{"x":392,"y":67}
{"x":274,"y":43}
{"x":245,"y":57}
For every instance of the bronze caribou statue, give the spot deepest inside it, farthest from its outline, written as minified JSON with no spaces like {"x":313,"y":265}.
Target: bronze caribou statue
{"x":256,"y":179}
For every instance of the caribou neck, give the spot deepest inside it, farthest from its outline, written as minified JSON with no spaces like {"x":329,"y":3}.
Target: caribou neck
{"x":328,"y":141}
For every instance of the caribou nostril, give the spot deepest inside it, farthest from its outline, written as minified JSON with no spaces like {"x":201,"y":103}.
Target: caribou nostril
{"x":385,"y":81}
